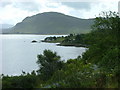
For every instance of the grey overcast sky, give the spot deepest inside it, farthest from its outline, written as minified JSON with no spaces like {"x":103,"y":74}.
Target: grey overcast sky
{"x":14,"y":11}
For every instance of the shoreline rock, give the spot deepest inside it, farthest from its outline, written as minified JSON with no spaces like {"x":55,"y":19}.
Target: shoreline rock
{"x":76,"y":45}
{"x":33,"y":41}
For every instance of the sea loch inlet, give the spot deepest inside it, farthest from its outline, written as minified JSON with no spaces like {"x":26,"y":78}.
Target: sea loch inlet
{"x":20,"y":54}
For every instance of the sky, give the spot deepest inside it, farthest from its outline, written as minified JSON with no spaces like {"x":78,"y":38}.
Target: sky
{"x":14,"y":11}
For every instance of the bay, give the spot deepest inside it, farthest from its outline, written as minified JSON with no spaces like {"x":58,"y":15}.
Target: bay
{"x":19,"y":54}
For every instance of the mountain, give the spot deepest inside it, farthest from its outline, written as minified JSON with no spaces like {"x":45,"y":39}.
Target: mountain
{"x":52,"y":23}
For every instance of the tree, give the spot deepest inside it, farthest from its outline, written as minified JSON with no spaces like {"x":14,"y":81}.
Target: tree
{"x":106,"y":21}
{"x":49,"y":62}
{"x":71,"y":35}
{"x":104,"y":40}
{"x":79,"y":38}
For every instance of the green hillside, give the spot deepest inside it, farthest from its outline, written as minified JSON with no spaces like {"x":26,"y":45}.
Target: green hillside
{"x":52,"y":23}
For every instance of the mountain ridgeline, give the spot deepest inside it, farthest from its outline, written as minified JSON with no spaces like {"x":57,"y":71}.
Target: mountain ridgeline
{"x":52,"y":23}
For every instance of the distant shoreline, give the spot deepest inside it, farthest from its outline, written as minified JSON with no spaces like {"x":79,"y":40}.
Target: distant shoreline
{"x":33,"y":34}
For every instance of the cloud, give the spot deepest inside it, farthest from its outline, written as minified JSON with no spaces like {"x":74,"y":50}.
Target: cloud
{"x":119,"y":8}
{"x":95,"y":9}
{"x":3,"y":4}
{"x":78,"y":5}
{"x":98,"y":7}
{"x":29,"y":6}
{"x":11,"y":14}
{"x":14,"y":11}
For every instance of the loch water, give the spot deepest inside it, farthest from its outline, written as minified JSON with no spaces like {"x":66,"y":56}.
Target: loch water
{"x":19,"y":54}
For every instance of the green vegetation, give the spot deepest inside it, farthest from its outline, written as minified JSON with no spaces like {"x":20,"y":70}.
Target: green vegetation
{"x":25,"y":80}
{"x":52,"y":23}
{"x":70,"y":40}
{"x":48,"y":63}
{"x":54,"y":39}
{"x":97,"y":68}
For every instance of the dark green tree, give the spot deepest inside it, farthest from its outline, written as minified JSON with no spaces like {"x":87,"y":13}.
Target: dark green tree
{"x":104,"y":41}
{"x":49,"y":62}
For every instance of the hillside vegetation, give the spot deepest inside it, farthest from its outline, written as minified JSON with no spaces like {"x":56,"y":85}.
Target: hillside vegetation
{"x":52,"y":23}
{"x":97,"y":68}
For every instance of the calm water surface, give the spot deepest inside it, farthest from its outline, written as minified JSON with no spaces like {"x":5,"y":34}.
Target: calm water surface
{"x":18,"y":53}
